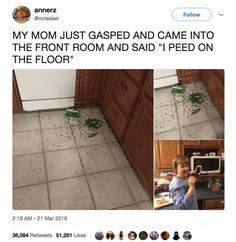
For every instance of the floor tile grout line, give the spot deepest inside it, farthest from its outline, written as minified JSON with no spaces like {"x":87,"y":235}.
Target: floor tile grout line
{"x":129,"y":188}
{"x":211,"y":121}
{"x":45,"y":166}
{"x":136,"y":203}
{"x":121,"y":168}
{"x":82,"y":165}
{"x":36,"y":153}
{"x":206,"y":121}
{"x":31,"y":130}
{"x":178,"y":121}
{"x":65,"y":178}
{"x":49,"y":151}
{"x":186,"y":126}
{"x":30,"y":185}
{"x":24,"y":131}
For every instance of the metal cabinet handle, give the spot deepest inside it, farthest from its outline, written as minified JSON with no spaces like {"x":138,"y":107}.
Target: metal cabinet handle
{"x":124,"y":85}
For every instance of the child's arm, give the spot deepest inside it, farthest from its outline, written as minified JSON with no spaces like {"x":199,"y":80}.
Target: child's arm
{"x":191,"y":183}
{"x":180,"y":197}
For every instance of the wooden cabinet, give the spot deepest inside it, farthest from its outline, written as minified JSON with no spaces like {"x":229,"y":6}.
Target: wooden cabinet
{"x":122,"y":92}
{"x":188,"y":75}
{"x":202,"y":146}
{"x":214,"y":82}
{"x":212,"y":204}
{"x":138,"y":141}
{"x":165,"y":152}
{"x":17,"y":105}
{"x":116,"y":118}
{"x":137,"y":76}
{"x":87,"y":87}
{"x":201,"y":143}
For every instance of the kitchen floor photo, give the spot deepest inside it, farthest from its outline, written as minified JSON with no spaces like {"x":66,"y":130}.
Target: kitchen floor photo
{"x":61,"y":164}
{"x":189,"y":110}
{"x":77,"y":139}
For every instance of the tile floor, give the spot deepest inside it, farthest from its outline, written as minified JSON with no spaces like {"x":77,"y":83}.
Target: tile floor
{"x":174,"y":118}
{"x":56,"y":165}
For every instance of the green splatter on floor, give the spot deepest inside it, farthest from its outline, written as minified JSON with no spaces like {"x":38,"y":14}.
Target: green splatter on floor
{"x":87,"y":125}
{"x":192,"y":102}
{"x":93,"y":123}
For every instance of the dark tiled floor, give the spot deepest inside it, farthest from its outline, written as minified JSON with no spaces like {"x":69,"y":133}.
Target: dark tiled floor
{"x":56,"y":165}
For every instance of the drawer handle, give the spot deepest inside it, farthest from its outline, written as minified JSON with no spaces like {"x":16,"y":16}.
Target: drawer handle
{"x":124,"y":85}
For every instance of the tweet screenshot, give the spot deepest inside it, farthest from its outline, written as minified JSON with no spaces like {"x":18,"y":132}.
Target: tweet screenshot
{"x":117,"y":121}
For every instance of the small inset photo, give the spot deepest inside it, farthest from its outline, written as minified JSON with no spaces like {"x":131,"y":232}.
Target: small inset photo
{"x":21,"y":14}
{"x":189,"y":175}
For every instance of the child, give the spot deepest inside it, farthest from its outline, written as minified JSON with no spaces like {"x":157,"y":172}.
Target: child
{"x":21,"y":14}
{"x":182,"y":186}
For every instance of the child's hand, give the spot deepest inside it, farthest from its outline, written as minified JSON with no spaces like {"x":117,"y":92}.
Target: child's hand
{"x":191,"y":181}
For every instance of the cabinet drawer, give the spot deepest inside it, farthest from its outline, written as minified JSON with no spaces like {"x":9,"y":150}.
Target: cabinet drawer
{"x":136,"y":75}
{"x":124,"y":92}
{"x":214,"y":204}
{"x":116,"y":119}
{"x":188,"y":75}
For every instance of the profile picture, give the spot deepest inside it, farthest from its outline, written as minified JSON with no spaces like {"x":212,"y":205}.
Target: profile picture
{"x":165,"y":235}
{"x":99,"y":235}
{"x":132,"y":235}
{"x":187,"y":235}
{"x":143,"y":235}
{"x":176,"y":236}
{"x":21,"y":14}
{"x":120,"y":235}
{"x":154,"y":235}
{"x":110,"y":235}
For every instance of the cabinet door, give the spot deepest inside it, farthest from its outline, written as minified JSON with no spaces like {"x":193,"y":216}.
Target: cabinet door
{"x":165,"y":152}
{"x":87,"y":87}
{"x":124,"y":91}
{"x":212,"y":143}
{"x":17,"y":105}
{"x":192,"y":143}
{"x":116,"y":119}
{"x":136,"y":75}
{"x":188,"y":75}
{"x":138,"y":142}
{"x":214,"y":82}
{"x":201,"y":143}
{"x":214,"y":204}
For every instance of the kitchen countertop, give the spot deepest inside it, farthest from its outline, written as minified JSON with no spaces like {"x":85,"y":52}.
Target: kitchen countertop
{"x":206,"y":193}
{"x":202,"y":193}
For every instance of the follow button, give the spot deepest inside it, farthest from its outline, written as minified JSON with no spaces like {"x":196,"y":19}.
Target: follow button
{"x":191,"y":14}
